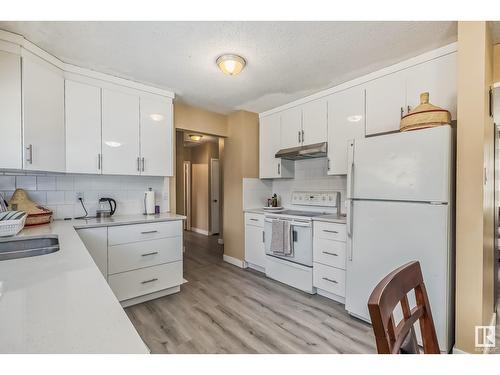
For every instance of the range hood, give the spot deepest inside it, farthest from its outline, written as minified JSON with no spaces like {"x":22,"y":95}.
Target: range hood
{"x":317,"y":150}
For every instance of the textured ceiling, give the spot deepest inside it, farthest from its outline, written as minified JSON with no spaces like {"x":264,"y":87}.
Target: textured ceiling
{"x":286,"y":60}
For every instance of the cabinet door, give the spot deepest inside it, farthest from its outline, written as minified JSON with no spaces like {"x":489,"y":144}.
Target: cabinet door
{"x":255,"y":252}
{"x":269,"y":141}
{"x":96,"y":242}
{"x":437,"y":77}
{"x":10,"y":110}
{"x":385,"y":101}
{"x":156,"y":136}
{"x":120,"y":133}
{"x":314,"y":122}
{"x":291,"y":127}
{"x":43,"y":122}
{"x":346,"y":120}
{"x":83,"y":127}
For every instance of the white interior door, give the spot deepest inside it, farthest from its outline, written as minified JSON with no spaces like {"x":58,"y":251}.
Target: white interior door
{"x":120,"y":133}
{"x":414,"y":165}
{"x":187,"y":194}
{"x":156,"y":136}
{"x":83,"y":127}
{"x":387,"y":235}
{"x":215,"y":196}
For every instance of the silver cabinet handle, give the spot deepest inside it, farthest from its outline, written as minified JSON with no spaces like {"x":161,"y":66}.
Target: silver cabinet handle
{"x":149,"y":254}
{"x":279,"y":168}
{"x":254,"y":219}
{"x":299,"y":135}
{"x":149,"y":281}
{"x":138,"y":164}
{"x":330,"y":280}
{"x":263,"y":236}
{"x":409,"y":109}
{"x":327,"y":252}
{"x":328,"y":164}
{"x":302,"y":136}
{"x":329,"y":231}
{"x":149,"y":231}
{"x":402,"y":112}
{"x":143,"y":164}
{"x":29,"y":159}
{"x":99,"y":161}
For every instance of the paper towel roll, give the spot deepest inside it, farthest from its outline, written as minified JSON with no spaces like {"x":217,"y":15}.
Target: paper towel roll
{"x":149,"y":202}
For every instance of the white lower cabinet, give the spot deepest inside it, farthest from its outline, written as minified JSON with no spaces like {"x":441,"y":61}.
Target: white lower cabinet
{"x":255,"y":252}
{"x":329,"y":259}
{"x":138,"y":259}
{"x":96,"y":242}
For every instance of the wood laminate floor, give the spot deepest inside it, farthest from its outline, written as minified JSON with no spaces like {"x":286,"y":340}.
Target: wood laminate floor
{"x":225,"y":309}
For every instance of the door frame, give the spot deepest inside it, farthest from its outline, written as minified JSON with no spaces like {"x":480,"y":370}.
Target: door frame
{"x":186,"y":175}
{"x":212,"y":161}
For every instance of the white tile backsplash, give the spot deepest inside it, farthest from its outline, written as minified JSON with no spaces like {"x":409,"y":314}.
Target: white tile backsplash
{"x":58,"y":192}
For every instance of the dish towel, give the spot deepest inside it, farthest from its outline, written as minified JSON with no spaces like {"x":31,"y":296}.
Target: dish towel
{"x":288,"y":239}
{"x":11,"y":215}
{"x":277,"y":245}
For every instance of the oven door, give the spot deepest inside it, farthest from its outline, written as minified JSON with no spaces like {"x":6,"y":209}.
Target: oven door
{"x":302,"y":241}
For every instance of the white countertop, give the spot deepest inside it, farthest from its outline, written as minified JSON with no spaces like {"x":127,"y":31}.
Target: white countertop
{"x":60,"y":302}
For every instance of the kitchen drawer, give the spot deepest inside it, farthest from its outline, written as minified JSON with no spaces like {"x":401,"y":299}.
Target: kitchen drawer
{"x":140,"y":232}
{"x":130,"y":256}
{"x":330,"y":231}
{"x":143,"y":281}
{"x":254,"y":219}
{"x":329,"y":252}
{"x":329,"y":278}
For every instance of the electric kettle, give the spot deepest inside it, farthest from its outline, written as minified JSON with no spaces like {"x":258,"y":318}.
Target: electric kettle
{"x":107,"y":207}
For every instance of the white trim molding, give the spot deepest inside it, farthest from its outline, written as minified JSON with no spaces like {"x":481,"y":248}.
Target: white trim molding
{"x":431,"y":55}
{"x":234,"y":261}
{"x":15,"y":43}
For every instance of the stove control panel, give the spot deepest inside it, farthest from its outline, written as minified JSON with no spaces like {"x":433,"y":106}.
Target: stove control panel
{"x":317,"y":198}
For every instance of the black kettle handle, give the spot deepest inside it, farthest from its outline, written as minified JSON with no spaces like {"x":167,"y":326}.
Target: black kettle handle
{"x":112,"y":204}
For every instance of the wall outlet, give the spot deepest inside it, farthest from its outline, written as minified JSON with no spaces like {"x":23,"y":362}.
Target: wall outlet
{"x":78,"y":195}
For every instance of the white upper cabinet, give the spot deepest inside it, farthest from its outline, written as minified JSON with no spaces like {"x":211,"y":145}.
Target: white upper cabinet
{"x":120,"y":133}
{"x":291,"y":127}
{"x":83,"y":127}
{"x":43,"y":121}
{"x":346,"y":121}
{"x":10,"y":111}
{"x":269,"y":138}
{"x":314,"y":122}
{"x":385,"y":103}
{"x":438,"y":77}
{"x":156,"y":136}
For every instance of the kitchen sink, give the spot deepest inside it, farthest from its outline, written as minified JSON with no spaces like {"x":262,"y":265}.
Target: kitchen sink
{"x":14,"y":248}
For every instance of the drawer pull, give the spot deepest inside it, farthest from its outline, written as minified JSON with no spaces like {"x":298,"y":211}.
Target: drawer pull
{"x":148,"y":254}
{"x":327,"y":252}
{"x":330,"y":280}
{"x":149,"y":281}
{"x":254,"y":219}
{"x":149,"y":231}
{"x":329,"y":231}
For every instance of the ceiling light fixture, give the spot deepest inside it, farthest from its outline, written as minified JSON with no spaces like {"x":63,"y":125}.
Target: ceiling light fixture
{"x":156,"y":117}
{"x":113,"y":144}
{"x":195,"y":137}
{"x":231,"y":64}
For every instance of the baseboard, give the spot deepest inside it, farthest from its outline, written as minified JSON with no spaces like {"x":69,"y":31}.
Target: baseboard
{"x":256,"y":267}
{"x":200,"y":231}
{"x":458,"y":351}
{"x":234,"y":261}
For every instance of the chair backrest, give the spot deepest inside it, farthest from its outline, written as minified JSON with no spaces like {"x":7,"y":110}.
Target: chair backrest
{"x":392,"y":290}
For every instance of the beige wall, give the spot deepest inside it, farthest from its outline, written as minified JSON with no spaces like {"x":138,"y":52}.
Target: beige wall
{"x":199,"y":120}
{"x":496,"y":61}
{"x":241,"y":150}
{"x":474,"y":200}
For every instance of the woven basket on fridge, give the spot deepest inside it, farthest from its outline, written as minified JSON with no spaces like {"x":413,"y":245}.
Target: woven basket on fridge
{"x":425,"y":115}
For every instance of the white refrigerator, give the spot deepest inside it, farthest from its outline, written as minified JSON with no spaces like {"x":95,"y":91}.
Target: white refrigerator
{"x":400,"y":208}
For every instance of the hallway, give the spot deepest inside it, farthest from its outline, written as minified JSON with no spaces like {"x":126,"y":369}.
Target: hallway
{"x":225,"y":309}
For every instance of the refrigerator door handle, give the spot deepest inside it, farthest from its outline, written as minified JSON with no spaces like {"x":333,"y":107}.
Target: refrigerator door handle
{"x":349,"y":229}
{"x":350,"y":172}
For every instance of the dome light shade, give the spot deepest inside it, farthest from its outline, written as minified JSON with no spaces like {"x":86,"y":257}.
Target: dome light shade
{"x":195,"y":137}
{"x":231,"y":64}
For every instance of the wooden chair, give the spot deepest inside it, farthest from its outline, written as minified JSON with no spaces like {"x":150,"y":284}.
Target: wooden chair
{"x":390,"y":291}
